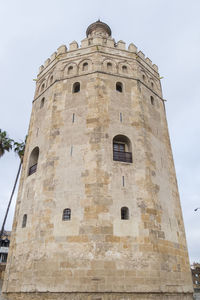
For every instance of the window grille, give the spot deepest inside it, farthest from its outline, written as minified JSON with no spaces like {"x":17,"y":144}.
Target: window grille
{"x":66,"y":214}
{"x":33,"y":161}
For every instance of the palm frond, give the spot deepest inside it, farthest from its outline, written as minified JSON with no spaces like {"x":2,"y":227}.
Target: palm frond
{"x":6,"y":143}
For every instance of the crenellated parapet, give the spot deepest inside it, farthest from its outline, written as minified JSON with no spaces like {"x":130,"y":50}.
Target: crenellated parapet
{"x":66,"y":66}
{"x":98,"y":41}
{"x":75,"y":60}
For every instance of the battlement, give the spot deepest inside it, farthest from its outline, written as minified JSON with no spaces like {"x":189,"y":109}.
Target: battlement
{"x":61,"y":50}
{"x":97,"y":40}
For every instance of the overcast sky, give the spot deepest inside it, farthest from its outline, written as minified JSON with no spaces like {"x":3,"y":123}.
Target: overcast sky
{"x":167,"y":31}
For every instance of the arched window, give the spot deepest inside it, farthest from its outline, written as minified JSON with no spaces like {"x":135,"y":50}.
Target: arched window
{"x":24,"y":221}
{"x":109,"y":66}
{"x":152,"y":85}
{"x":42,"y":87}
{"x":152,"y":100}
{"x":70,"y":70}
{"x":33,"y":160}
{"x":119,"y":87}
{"x":85,"y":66}
{"x":66,"y":214}
{"x":51,"y":79}
{"x":143,"y":77}
{"x":122,"y":149}
{"x":76,"y":87}
{"x":42,"y":102}
{"x":124,"y":69}
{"x":124,"y":213}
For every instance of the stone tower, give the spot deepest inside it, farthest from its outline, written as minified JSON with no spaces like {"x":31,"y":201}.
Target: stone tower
{"x":98,"y":214}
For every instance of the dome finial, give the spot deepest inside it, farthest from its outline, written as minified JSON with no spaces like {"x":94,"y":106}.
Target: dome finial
{"x":98,"y":28}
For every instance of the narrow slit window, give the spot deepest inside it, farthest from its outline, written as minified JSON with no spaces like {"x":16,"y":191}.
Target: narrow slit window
{"x":119,"y":87}
{"x":42,"y":102}
{"x":76,"y":87}
{"x":73,"y":117}
{"x":152,"y":100}
{"x":66,"y":214}
{"x":24,"y":221}
{"x":120,"y":117}
{"x":71,"y":150}
{"x":123,"y":181}
{"x":124,"y":213}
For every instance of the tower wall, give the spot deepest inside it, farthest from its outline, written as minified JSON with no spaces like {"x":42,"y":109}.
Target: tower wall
{"x":96,"y":254}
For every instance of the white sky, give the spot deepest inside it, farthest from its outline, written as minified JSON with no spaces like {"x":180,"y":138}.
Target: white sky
{"x":167,"y":31}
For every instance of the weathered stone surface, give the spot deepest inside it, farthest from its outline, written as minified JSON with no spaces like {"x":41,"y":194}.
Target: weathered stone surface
{"x":98,"y":296}
{"x":96,"y":255}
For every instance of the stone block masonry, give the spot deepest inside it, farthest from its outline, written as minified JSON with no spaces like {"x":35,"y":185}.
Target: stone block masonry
{"x":98,"y":213}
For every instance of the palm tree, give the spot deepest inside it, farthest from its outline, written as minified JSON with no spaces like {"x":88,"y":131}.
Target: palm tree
{"x":19,"y":149}
{"x":5,"y":142}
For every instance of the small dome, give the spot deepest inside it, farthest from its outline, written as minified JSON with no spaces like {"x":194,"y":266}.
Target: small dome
{"x":98,"y":28}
